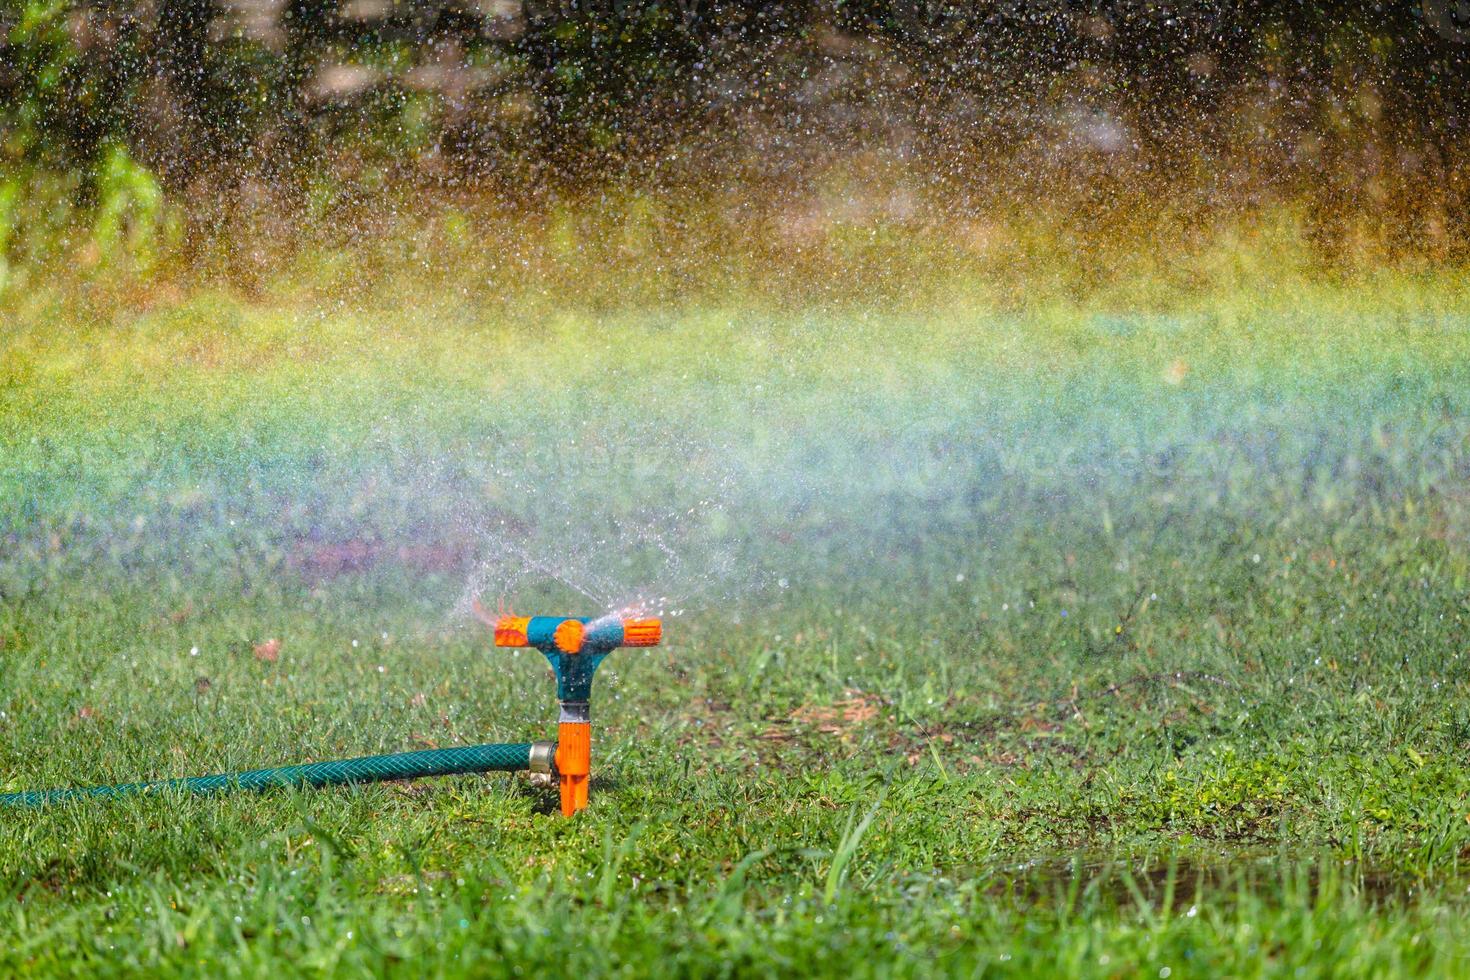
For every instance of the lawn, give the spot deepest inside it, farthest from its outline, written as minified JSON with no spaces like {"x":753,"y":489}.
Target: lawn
{"x":1000,"y":638}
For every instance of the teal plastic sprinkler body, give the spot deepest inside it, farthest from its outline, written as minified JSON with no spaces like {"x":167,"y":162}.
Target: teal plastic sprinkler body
{"x":575,"y":648}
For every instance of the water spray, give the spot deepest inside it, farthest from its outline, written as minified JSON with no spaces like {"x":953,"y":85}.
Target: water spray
{"x":575,"y":648}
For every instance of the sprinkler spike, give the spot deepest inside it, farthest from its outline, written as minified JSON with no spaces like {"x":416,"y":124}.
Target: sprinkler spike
{"x":573,"y":764}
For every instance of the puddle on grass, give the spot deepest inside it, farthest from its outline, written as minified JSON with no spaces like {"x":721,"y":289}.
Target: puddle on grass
{"x":1182,"y":882}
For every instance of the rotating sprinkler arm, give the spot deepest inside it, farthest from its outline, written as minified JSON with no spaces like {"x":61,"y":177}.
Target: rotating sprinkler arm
{"x":575,"y":649}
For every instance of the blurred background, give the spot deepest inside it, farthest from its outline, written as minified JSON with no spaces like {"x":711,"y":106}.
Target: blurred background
{"x":169,"y":139}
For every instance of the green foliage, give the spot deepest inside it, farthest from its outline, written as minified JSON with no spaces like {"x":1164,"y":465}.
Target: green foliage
{"x":70,"y":189}
{"x":9,"y":193}
{"x":131,"y":221}
{"x":39,"y":52}
{"x":63,"y":101}
{"x":118,"y":226}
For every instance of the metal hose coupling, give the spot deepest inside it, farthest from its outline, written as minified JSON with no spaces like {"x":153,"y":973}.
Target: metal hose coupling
{"x":543,"y":757}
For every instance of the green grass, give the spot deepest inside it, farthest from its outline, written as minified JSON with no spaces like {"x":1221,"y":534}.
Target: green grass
{"x":1013,"y":641}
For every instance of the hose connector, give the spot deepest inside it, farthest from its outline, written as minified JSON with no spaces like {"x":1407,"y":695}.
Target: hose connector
{"x":543,"y":757}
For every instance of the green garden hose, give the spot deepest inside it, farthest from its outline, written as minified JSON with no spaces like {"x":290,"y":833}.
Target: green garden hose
{"x":496,"y":757}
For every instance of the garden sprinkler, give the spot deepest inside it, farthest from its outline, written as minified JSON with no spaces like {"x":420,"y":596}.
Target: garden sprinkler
{"x":575,"y":648}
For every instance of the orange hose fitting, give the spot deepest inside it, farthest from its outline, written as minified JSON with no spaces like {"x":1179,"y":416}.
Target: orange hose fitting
{"x":510,"y":631}
{"x":642,"y":632}
{"x":574,"y":764}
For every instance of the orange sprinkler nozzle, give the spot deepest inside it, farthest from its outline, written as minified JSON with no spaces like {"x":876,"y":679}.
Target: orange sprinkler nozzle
{"x":642,"y":632}
{"x":510,"y":631}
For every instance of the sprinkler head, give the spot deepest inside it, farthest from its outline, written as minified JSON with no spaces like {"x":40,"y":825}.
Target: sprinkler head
{"x":575,"y":648}
{"x":569,"y":634}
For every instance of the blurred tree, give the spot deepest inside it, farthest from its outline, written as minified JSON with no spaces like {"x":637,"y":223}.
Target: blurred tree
{"x":309,"y":30}
{"x":183,"y":107}
{"x":581,"y":92}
